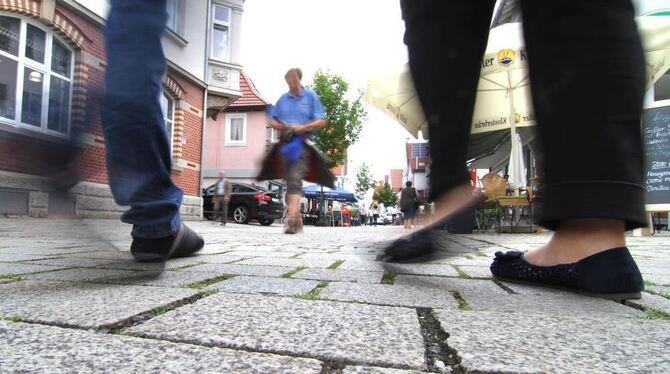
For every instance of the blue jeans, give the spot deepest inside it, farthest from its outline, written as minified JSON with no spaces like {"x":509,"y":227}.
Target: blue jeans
{"x":137,"y":148}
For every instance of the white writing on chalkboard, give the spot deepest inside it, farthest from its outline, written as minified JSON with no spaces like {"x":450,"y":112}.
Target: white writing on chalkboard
{"x":656,"y":138}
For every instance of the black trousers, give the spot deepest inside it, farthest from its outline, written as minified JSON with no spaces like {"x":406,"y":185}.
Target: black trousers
{"x":587,"y":77}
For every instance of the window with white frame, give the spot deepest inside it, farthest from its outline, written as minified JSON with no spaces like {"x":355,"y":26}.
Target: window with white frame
{"x":236,"y":129}
{"x":174,"y":15}
{"x":167,"y":105}
{"x":221,"y":32}
{"x":662,"y":87}
{"x":35,"y":77}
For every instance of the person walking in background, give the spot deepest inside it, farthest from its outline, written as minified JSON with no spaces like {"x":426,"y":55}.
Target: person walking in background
{"x":408,"y":204}
{"x":136,"y":144}
{"x":363,"y":211}
{"x":595,"y":109}
{"x":374,"y":211}
{"x":296,"y":114}
{"x":222,"y":193}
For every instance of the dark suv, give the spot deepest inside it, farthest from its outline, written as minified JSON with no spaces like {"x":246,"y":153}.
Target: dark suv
{"x":247,"y":202}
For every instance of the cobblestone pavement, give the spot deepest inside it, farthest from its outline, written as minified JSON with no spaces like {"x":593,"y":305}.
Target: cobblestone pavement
{"x":256,"y":300}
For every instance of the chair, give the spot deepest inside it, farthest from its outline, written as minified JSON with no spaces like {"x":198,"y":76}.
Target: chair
{"x":489,"y":213}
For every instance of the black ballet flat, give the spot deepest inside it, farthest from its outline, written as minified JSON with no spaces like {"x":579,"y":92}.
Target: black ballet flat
{"x":611,"y":274}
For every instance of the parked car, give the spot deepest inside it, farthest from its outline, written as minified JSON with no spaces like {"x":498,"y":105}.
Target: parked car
{"x":247,"y":202}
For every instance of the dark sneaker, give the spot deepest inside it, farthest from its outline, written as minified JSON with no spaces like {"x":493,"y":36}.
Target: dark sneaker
{"x":611,"y":274}
{"x":417,"y":247}
{"x":184,"y":243}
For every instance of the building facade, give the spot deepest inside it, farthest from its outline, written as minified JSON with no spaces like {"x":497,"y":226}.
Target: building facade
{"x":52,"y":61}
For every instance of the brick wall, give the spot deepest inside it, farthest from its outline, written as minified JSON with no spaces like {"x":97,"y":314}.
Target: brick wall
{"x":28,"y":154}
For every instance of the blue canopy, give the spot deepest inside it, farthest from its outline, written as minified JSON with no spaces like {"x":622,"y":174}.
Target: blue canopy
{"x":337,"y":194}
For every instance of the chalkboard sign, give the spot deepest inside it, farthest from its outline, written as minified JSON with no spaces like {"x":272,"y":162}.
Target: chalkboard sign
{"x":656,"y":138}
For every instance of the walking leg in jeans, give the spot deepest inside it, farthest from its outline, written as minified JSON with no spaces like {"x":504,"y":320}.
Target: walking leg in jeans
{"x":446,"y":41}
{"x":137,"y":148}
{"x":588,"y":114}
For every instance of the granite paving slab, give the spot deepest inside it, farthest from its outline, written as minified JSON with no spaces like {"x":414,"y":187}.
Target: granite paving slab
{"x":237,"y":269}
{"x":340,"y":275}
{"x":477,"y":271}
{"x":19,"y":257}
{"x":266,"y":285}
{"x":376,"y":370}
{"x":290,"y":262}
{"x":566,"y":304}
{"x":206,"y":259}
{"x":362,"y":265}
{"x":465,"y":287}
{"x":422,"y":269}
{"x":35,"y":348}
{"x":86,"y":305}
{"x":23,"y":268}
{"x":261,"y":253}
{"x":353,"y":333}
{"x":649,"y":301}
{"x":144,"y":278}
{"x":495,"y":342}
{"x":394,"y":295}
{"x":120,"y":264}
{"x":658,"y":279}
{"x":661,"y":290}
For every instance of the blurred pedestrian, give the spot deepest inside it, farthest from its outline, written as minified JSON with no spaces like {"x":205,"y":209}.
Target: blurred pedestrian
{"x":296,"y":114}
{"x":374,"y":211}
{"x":223,"y":190}
{"x":136,"y":143}
{"x":408,"y":204}
{"x":585,"y":110}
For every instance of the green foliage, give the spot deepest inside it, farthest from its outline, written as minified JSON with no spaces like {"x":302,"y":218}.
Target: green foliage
{"x":364,"y":179}
{"x":385,"y":195}
{"x":344,"y":116}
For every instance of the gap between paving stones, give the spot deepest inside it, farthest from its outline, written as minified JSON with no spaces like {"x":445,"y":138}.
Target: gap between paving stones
{"x":650,"y":313}
{"x":436,"y":347}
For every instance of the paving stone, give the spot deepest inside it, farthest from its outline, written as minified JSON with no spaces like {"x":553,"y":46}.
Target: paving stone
{"x":208,"y":259}
{"x":266,"y":285}
{"x":290,"y":262}
{"x":477,"y":271}
{"x":23,"y":268}
{"x":663,"y":290}
{"x":465,"y":287}
{"x":376,"y":370}
{"x":340,"y":275}
{"x":260,"y":253}
{"x":13,"y":257}
{"x":159,"y":279}
{"x":237,"y":269}
{"x":356,"y":333}
{"x":649,"y":301}
{"x":362,"y":265}
{"x":35,"y":348}
{"x":86,"y":305}
{"x":496,"y":342}
{"x":119,"y":264}
{"x":394,"y":295}
{"x":362,"y":256}
{"x":571,"y":304}
{"x":661,"y":280}
{"x":422,"y":269}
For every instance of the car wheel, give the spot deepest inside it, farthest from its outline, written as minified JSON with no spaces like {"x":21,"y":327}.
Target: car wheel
{"x":266,"y":221}
{"x":241,"y":214}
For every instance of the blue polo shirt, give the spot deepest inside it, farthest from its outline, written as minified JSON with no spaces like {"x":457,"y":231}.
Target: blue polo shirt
{"x":300,"y":109}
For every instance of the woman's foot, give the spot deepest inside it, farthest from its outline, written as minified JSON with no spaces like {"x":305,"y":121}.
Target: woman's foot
{"x":584,"y":255}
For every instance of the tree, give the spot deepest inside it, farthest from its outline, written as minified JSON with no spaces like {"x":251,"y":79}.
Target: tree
{"x":364,"y":180}
{"x":344,"y":116}
{"x":385,"y":195}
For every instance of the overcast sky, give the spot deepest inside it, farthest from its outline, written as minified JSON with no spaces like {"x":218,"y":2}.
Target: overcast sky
{"x":356,"y":39}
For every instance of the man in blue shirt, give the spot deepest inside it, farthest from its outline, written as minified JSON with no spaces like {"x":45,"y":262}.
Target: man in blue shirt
{"x":297,"y":113}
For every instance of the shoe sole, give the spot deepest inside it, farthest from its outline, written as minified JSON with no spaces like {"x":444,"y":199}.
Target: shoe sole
{"x":607,"y":296}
